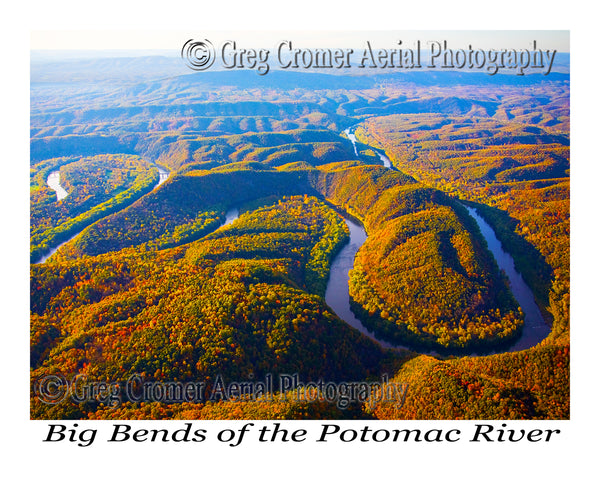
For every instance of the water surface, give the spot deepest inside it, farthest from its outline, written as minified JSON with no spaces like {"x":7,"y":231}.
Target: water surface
{"x":54,"y":183}
{"x":535,"y":329}
{"x":337,"y":294}
{"x":384,"y":159}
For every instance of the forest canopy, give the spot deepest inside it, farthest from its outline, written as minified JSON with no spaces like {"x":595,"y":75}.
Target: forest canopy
{"x":152,"y":283}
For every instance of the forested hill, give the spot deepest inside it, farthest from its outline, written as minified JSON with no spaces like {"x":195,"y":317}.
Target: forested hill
{"x":151,"y":286}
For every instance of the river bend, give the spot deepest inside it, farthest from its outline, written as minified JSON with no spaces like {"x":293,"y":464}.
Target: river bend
{"x":337,"y":294}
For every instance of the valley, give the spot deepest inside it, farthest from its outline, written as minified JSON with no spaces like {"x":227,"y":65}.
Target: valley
{"x":226,"y":225}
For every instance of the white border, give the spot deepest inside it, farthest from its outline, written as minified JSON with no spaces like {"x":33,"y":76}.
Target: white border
{"x":21,"y":437}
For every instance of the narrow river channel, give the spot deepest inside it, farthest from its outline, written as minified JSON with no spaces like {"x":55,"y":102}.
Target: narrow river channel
{"x":230,"y":216}
{"x":350,"y":134}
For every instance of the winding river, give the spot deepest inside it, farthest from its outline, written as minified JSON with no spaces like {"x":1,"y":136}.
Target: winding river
{"x":337,"y":294}
{"x":54,"y":183}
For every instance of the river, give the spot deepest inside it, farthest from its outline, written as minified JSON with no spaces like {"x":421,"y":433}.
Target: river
{"x":337,"y":294}
{"x":162,"y":176}
{"x":352,"y":138}
{"x":54,"y":183}
{"x":230,"y":216}
{"x":535,"y":329}
{"x":350,"y":134}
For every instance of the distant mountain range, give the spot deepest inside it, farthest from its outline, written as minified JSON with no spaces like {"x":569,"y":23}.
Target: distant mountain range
{"x":71,"y":67}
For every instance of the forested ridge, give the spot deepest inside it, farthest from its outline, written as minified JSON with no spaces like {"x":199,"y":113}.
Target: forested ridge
{"x":153,"y":286}
{"x":98,"y":186}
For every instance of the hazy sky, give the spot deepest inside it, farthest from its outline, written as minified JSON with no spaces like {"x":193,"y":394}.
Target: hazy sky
{"x":173,"y":40}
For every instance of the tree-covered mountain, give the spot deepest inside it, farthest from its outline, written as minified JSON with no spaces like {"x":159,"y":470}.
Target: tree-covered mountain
{"x":152,"y":286}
